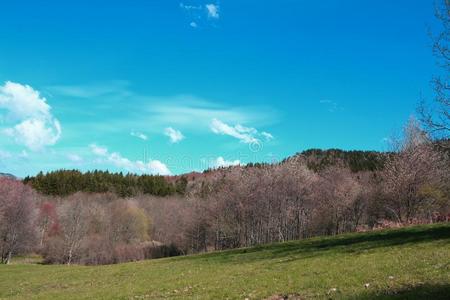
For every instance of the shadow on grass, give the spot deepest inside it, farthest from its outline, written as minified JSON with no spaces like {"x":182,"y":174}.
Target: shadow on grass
{"x":347,"y":243}
{"x":426,"y":291}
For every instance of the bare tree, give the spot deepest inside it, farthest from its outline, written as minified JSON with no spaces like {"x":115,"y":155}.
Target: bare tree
{"x":437,"y":120}
{"x":415,"y":168}
{"x":17,"y":218}
{"x":47,"y":221}
{"x":73,"y":225}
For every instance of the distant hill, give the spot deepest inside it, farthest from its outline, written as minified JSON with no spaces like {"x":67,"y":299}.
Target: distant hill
{"x":7,"y":175}
{"x":355,"y":160}
{"x":66,"y":182}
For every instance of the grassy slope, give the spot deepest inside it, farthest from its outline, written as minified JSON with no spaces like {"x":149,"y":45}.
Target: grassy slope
{"x":418,"y":258}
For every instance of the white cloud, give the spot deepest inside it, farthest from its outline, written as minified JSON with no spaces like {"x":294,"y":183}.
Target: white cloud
{"x":35,"y":133}
{"x":139,"y":135}
{"x":174,"y":135}
{"x":213,"y":11}
{"x":75,"y":158}
{"x":267,"y":136}
{"x":221,"y":162}
{"x":244,"y":129}
{"x":35,"y":127}
{"x":157,"y":167}
{"x":98,"y":150}
{"x":244,"y":134}
{"x":116,"y":159}
{"x":193,"y":24}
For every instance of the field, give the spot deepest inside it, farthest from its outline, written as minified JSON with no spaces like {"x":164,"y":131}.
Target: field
{"x":408,"y":263}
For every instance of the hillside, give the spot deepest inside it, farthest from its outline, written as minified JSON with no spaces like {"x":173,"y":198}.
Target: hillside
{"x":409,"y":263}
{"x":7,"y":175}
{"x":67,"y":182}
{"x":356,"y":161}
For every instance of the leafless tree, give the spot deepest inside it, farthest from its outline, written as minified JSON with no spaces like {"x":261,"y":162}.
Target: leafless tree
{"x":47,"y":221}
{"x":437,"y":120}
{"x":73,"y":215}
{"x":412,"y":173}
{"x":17,"y":218}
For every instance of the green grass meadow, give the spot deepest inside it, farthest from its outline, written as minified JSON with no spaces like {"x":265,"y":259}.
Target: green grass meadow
{"x":408,"y":263}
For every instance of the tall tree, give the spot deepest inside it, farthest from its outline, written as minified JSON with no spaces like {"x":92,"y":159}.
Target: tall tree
{"x":437,"y":118}
{"x":74,"y":226}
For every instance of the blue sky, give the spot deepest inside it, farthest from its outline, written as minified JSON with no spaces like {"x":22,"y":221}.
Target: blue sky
{"x":175,"y":86}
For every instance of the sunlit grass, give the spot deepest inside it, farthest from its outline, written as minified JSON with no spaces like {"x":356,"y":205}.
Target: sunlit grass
{"x":410,"y":263}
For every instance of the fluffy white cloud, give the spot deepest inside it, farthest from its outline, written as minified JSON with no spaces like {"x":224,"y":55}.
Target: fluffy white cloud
{"x":213,"y":11}
{"x":221,"y":162}
{"x":139,"y":135}
{"x":174,"y":135}
{"x":244,"y":134}
{"x":35,"y":127}
{"x":116,"y":159}
{"x":193,"y":24}
{"x":35,"y":133}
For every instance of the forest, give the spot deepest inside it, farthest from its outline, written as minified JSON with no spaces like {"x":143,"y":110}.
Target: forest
{"x":99,"y":217}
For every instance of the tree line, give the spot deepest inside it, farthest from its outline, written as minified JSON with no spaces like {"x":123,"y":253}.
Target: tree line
{"x":67,"y":182}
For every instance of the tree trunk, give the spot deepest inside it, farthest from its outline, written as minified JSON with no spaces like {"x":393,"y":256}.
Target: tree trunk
{"x":69,"y":260}
{"x":8,"y":258}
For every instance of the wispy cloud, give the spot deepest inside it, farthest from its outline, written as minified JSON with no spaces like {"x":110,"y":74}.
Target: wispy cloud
{"x":190,"y":7}
{"x":332,"y":106}
{"x":139,"y":135}
{"x":247,"y":135}
{"x":174,"y":135}
{"x":117,"y":160}
{"x":183,"y":112}
{"x":114,"y":87}
{"x":75,"y":158}
{"x":267,"y":136}
{"x":30,"y":116}
{"x":195,"y":114}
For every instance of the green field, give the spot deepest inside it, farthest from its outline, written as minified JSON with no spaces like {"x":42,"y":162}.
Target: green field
{"x":409,"y":263}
